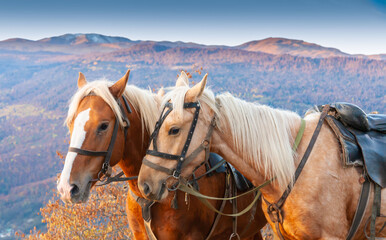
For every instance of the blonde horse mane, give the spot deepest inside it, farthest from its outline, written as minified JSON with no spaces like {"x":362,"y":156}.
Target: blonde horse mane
{"x":143,"y":101}
{"x":261,"y":134}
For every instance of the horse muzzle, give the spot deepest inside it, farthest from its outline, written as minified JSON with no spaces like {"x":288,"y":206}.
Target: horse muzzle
{"x":155,"y":192}
{"x":74,"y":193}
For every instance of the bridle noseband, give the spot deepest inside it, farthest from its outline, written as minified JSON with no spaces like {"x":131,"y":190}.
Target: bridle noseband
{"x":182,"y":159}
{"x":106,"y":168}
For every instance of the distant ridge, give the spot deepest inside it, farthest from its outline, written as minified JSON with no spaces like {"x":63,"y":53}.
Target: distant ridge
{"x":279,"y":46}
{"x":17,"y":40}
{"x":81,"y":43}
{"x":76,"y":39}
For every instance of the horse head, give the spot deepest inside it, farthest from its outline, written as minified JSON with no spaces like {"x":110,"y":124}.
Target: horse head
{"x":176,"y":147}
{"x":97,"y":133}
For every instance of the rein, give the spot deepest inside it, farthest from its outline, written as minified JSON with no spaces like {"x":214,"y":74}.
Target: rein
{"x":188,"y":188}
{"x":106,"y":168}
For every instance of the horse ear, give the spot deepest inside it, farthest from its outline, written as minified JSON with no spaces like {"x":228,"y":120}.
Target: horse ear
{"x":182,"y":80}
{"x":161,"y":93}
{"x":81,"y":80}
{"x":119,"y":87}
{"x":196,"y":91}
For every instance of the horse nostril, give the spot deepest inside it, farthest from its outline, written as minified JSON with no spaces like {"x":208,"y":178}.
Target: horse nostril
{"x":146,"y":189}
{"x":74,"y":190}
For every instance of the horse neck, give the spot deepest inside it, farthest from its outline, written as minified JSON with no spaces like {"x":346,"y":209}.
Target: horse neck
{"x":223,"y":144}
{"x":134,"y":150}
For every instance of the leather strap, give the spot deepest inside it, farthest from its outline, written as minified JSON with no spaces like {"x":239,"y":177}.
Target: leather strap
{"x":87,"y":152}
{"x":117,"y":178}
{"x":157,"y":167}
{"x":299,"y":136}
{"x":253,"y":212}
{"x":182,"y":163}
{"x":361,"y":207}
{"x":180,"y":158}
{"x":305,"y":156}
{"x":211,"y":170}
{"x":221,"y":209}
{"x":234,"y":210}
{"x":146,"y":213}
{"x":274,"y":209}
{"x":204,"y":199}
{"x":376,"y":210}
{"x":163,"y":155}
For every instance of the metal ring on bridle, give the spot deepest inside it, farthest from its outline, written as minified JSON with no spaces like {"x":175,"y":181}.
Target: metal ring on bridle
{"x":174,"y":187}
{"x":102,"y":177}
{"x":234,"y":235}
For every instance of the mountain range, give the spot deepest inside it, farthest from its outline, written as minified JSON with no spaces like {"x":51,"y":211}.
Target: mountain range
{"x":91,"y":43}
{"x":37,"y":79}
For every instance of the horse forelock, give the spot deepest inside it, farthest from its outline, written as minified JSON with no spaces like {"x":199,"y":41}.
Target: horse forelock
{"x":143,"y":101}
{"x":176,"y":96}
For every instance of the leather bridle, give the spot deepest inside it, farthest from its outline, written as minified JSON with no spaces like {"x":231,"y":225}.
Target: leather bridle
{"x":182,"y":159}
{"x":106,"y":168}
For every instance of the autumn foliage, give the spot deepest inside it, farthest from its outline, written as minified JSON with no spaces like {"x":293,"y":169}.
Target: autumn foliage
{"x":102,"y":217}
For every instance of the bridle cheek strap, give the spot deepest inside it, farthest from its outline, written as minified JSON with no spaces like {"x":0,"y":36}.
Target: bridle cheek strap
{"x":107,"y":154}
{"x":106,"y":168}
{"x":181,"y":160}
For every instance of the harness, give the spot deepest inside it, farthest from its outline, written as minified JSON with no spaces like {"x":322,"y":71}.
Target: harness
{"x":182,"y":159}
{"x":274,"y":210}
{"x":106,"y":168}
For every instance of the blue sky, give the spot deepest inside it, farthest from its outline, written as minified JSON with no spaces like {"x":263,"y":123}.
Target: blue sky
{"x":353,"y":26}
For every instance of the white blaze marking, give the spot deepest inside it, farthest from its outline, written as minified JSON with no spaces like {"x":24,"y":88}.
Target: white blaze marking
{"x":77,"y":138}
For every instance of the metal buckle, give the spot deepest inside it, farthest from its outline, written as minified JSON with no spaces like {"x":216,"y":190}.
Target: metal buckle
{"x":274,"y":213}
{"x":105,"y":167}
{"x":176,"y":174}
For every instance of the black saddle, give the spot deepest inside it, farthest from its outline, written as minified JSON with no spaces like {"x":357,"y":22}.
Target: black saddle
{"x":242,"y":183}
{"x":362,"y":138}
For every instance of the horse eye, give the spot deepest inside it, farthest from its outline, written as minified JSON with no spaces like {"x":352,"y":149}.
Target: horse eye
{"x":174,"y":131}
{"x":103,"y":126}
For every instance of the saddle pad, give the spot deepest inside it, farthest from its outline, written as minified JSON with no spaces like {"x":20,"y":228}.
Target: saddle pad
{"x":213,"y":160}
{"x":362,"y":138}
{"x":351,"y":153}
{"x":373,"y":146}
{"x":360,"y":148}
{"x":242,"y":183}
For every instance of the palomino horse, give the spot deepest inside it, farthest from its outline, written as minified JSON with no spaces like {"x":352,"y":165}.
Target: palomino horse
{"x":92,"y":115}
{"x":258,"y":140}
